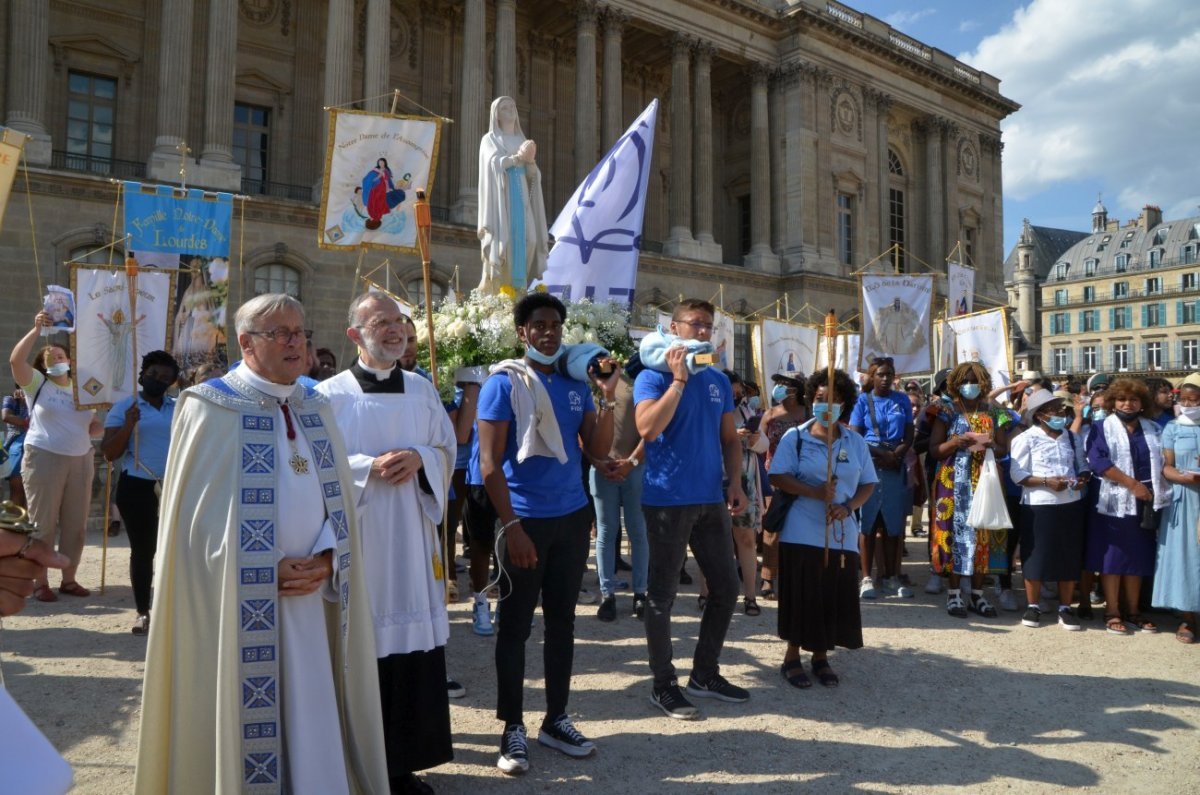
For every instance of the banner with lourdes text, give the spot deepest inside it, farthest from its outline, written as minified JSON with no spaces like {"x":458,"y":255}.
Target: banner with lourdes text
{"x":786,"y":348}
{"x":960,"y":288}
{"x":375,"y":164}
{"x":983,"y":337}
{"x":109,"y":317}
{"x":896,"y":321}
{"x":11,"y":144}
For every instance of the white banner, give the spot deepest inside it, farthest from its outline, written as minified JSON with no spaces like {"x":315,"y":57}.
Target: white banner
{"x":960,"y":289}
{"x":786,"y":348}
{"x":946,"y":352}
{"x":598,"y":234}
{"x":723,"y":340}
{"x":11,"y":144}
{"x":105,"y":367}
{"x":847,"y":348}
{"x":983,"y":337}
{"x":896,"y":321}
{"x":375,"y":165}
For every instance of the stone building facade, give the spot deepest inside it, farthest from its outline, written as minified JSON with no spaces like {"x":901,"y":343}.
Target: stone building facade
{"x":797,"y":139}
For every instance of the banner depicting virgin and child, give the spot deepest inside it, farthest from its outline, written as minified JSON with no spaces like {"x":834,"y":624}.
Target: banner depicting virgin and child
{"x":375,"y":165}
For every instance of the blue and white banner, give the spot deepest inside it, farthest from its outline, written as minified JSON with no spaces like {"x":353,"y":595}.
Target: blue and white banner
{"x":599,"y":232}
{"x":960,"y":290}
{"x":161,"y":218}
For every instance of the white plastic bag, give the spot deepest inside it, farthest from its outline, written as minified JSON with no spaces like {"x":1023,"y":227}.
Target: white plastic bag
{"x":988,"y":511}
{"x":29,"y":762}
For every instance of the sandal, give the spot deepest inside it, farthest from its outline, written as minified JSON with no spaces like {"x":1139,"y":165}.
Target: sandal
{"x":1114,"y":625}
{"x":1142,"y":624}
{"x":824,"y":672}
{"x":1184,"y":634}
{"x":955,"y":605}
{"x":767,"y":591}
{"x":793,"y":673}
{"x":73,"y":589}
{"x":751,"y":607}
{"x":980,"y":605}
{"x":43,"y":593}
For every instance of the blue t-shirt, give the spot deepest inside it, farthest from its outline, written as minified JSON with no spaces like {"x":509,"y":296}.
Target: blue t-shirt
{"x":462,"y":456}
{"x":685,"y":464}
{"x":153,"y":436}
{"x":852,"y":466}
{"x":540,"y":487}
{"x":893,"y":412}
{"x":474,"y":476}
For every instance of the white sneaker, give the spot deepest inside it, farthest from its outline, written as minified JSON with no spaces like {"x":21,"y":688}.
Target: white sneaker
{"x":866,"y":589}
{"x":904,"y":591}
{"x":934,"y":585}
{"x":1008,"y":600}
{"x":586,"y":597}
{"x":481,"y":623}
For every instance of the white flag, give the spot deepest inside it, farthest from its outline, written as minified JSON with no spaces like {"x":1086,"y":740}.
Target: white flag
{"x":598,"y":234}
{"x":983,"y":337}
{"x":787,"y":348}
{"x":895,"y":313}
{"x":961,"y":288}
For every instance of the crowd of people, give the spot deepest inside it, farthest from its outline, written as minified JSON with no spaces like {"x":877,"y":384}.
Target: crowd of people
{"x":285,"y":524}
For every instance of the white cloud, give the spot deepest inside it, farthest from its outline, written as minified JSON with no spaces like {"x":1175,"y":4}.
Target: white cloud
{"x":905,"y":17}
{"x":1108,"y":89}
{"x":968,"y":25}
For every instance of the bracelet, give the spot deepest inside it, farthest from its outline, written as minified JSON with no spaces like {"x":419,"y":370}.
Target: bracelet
{"x":509,"y":524}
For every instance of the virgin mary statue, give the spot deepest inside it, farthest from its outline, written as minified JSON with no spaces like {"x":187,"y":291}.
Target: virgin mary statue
{"x":512,"y":216}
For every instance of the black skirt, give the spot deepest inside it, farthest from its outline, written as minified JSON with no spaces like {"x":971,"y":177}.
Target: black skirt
{"x":818,"y":604}
{"x":416,"y":711}
{"x":1052,"y":538}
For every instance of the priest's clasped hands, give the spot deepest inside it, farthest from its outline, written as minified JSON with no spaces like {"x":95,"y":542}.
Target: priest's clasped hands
{"x":396,"y":466}
{"x":302,"y":576}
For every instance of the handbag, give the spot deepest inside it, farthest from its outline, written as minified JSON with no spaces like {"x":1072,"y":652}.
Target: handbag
{"x":781,"y":502}
{"x":988,"y":511}
{"x":1151,"y":517}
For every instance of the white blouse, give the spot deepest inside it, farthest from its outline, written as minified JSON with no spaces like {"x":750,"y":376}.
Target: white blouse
{"x":1035,"y":453}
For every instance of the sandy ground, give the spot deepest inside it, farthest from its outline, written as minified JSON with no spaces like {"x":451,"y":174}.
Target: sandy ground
{"x":932,"y":703}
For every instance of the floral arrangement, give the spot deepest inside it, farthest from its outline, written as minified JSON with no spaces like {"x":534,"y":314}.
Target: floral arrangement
{"x":605,"y":323}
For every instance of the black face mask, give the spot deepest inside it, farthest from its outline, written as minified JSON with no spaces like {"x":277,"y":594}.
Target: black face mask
{"x":152,"y":387}
{"x":1128,"y":416}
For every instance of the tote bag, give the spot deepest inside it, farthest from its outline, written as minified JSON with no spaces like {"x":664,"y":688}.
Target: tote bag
{"x":988,"y":511}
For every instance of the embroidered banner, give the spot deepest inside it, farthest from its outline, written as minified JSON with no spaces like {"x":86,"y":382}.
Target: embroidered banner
{"x":846,"y":348}
{"x":983,"y":337}
{"x":11,"y":144}
{"x":172,"y":220}
{"x":961,"y":288}
{"x":374,"y":165}
{"x":786,"y":348}
{"x":202,"y":295}
{"x":896,"y":321}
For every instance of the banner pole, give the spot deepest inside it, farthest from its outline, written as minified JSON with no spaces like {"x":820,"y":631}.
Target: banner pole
{"x":104,"y":529}
{"x":831,"y":330}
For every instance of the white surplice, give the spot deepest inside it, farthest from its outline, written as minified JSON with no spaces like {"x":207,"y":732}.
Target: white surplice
{"x":399,"y":524}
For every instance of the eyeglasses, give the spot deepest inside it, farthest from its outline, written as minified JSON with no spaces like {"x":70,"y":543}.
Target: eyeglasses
{"x":697,"y":325}
{"x":283,"y":336}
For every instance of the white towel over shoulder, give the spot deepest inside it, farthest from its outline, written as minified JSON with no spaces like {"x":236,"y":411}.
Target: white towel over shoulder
{"x":537,"y":427}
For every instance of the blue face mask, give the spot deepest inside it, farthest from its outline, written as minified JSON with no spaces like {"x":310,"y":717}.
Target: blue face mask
{"x":969,"y":391}
{"x":1055,"y":423}
{"x":1099,"y":415}
{"x":753,"y":403}
{"x":824,"y":414}
{"x":778,"y":393}
{"x":1087,"y":412}
{"x":541,"y":358}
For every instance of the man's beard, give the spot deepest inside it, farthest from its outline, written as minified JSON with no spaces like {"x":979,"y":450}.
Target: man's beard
{"x":378,"y":351}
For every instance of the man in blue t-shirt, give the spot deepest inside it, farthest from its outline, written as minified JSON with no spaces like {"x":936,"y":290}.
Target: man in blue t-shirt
{"x":531,"y":468}
{"x":692,"y":450}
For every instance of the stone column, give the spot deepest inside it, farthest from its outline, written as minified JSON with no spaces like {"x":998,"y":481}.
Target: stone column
{"x":377,"y":59}
{"x":505,"y":67}
{"x":216,"y":167}
{"x":585,"y":89}
{"x":935,"y":243}
{"x":174,"y":82}
{"x":679,"y":240}
{"x":882,"y":103}
{"x":702,"y":160}
{"x":472,"y":114}
{"x":339,"y":67}
{"x":796,"y":125}
{"x":951,"y":220}
{"x":612,"y":126}
{"x":28,"y":65}
{"x":777,"y":119}
{"x":761,"y":257}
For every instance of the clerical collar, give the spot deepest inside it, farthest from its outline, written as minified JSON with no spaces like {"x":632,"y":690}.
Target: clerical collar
{"x":372,"y":380}
{"x":380,"y":375}
{"x":277,"y":391}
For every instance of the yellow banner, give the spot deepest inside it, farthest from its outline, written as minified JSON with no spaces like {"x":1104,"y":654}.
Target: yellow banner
{"x":11,"y":143}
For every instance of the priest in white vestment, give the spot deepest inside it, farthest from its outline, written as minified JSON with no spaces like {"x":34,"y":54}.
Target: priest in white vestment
{"x":401,"y":446}
{"x":260,"y":671}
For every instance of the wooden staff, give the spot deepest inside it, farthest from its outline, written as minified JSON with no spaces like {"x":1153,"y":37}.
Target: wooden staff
{"x":831,"y":330}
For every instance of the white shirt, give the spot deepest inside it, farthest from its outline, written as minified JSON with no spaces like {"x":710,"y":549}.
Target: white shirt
{"x":55,"y":425}
{"x":1035,"y":453}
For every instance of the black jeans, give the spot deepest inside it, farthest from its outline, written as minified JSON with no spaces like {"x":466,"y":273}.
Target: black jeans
{"x":669,"y":530}
{"x":138,"y":505}
{"x":562,"y":544}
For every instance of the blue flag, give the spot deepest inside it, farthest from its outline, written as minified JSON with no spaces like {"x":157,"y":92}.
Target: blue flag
{"x":176,"y":221}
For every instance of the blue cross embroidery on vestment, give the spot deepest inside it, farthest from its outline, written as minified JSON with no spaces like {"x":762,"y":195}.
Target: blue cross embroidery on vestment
{"x":258,"y":691}
{"x":323,"y":453}
{"x":258,"y":614}
{"x":333,"y":488}
{"x":258,"y":535}
{"x":262,"y":768}
{"x":338,"y":519}
{"x":258,"y":459}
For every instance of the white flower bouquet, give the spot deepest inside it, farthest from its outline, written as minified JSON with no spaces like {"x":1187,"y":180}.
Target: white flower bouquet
{"x":605,"y":324}
{"x":471,"y":335}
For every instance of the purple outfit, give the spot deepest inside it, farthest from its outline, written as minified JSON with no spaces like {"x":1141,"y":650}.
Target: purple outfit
{"x":1118,"y":544}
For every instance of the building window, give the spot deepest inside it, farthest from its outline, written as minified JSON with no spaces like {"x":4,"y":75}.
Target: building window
{"x":251,"y":141}
{"x":1187,"y":311}
{"x":1153,"y":285}
{"x":1187,"y":281}
{"x":896,"y":220}
{"x":1122,"y":263}
{"x":91,"y":108}
{"x":277,"y":278}
{"x":743,"y":206}
{"x":1090,"y":320}
{"x":1060,"y":297}
{"x":1154,"y":355}
{"x":415,"y":290}
{"x":1104,"y":243}
{"x":895,"y":167}
{"x":1089,"y":294}
{"x":1061,"y":270}
{"x":1118,"y":319}
{"x":1152,"y":316}
{"x":1088,"y":357}
{"x":1191,"y":353}
{"x":1156,"y":257}
{"x":1160,"y":236}
{"x":1120,"y":289}
{"x":845,"y":228}
{"x":1120,"y":357}
{"x":1060,"y":323}
{"x":1062,"y":359}
{"x":1089,"y":267}
{"x":969,"y":243}
{"x":1125,"y":241}
{"x":1189,"y":254}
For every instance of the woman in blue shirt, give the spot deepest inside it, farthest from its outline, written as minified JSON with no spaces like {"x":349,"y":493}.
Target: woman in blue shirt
{"x":818,"y":600}
{"x":137,"y":433}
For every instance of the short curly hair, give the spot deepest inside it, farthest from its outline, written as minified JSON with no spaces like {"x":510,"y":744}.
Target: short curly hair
{"x":843,"y":385}
{"x":161,"y":358}
{"x":958,"y":377}
{"x":1124,"y":388}
{"x":530,"y":302}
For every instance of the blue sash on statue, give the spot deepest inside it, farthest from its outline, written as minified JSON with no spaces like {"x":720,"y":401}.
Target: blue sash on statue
{"x":516,"y":215}
{"x":258,"y":592}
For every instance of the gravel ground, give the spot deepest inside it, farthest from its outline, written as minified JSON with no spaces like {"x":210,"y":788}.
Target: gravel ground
{"x":932,"y":703}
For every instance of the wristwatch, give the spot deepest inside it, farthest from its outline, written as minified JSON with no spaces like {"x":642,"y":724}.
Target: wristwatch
{"x":635,"y":462}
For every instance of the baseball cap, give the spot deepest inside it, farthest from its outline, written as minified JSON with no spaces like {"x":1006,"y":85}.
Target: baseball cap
{"x":1098,"y":381}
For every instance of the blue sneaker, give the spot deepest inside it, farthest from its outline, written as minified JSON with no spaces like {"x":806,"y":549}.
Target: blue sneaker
{"x":482,"y":620}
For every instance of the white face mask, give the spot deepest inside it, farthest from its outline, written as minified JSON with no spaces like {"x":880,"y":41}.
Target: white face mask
{"x":1191,"y":412}
{"x":62,"y":368}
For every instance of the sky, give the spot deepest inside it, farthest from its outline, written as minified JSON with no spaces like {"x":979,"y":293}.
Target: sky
{"x":1110,"y":96}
